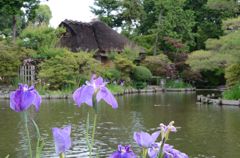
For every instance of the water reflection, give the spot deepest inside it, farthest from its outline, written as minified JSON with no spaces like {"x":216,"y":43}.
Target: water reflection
{"x":206,"y":130}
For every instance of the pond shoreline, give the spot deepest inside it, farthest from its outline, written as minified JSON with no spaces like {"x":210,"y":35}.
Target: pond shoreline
{"x":217,"y":101}
{"x":126,"y":91}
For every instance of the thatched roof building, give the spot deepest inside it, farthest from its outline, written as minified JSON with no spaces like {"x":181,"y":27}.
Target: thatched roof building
{"x":93,"y":36}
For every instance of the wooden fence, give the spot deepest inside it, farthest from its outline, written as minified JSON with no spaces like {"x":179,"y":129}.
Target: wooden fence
{"x":27,"y":74}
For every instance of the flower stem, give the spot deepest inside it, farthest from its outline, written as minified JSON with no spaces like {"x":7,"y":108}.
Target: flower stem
{"x":93,"y":133}
{"x":87,"y":130}
{"x":161,"y":148}
{"x":144,"y":153}
{"x":28,"y":136}
{"x":62,"y":155}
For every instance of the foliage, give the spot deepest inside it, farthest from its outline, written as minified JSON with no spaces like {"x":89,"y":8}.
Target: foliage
{"x":228,"y":8}
{"x":233,"y":93}
{"x":210,"y":65}
{"x":43,"y":15}
{"x":221,"y":54}
{"x":231,"y":24}
{"x":115,"y":88}
{"x":139,"y":84}
{"x":39,"y":37}
{"x":208,"y":22}
{"x":226,"y":43}
{"x":141,"y":73}
{"x":13,"y":9}
{"x":124,"y":14}
{"x":232,"y":74}
{"x":158,"y":65}
{"x":6,"y":24}
{"x":177,"y":84}
{"x":128,"y":52}
{"x":112,"y":74}
{"x":68,"y":70}
{"x":107,"y":10}
{"x":11,"y":57}
{"x":200,"y":60}
{"x":124,"y":65}
{"x":141,"y":18}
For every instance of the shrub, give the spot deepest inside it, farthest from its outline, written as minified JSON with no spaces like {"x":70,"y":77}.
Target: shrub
{"x":233,"y":93}
{"x":141,"y":73}
{"x":112,"y":74}
{"x":177,"y":84}
{"x":158,"y":65}
{"x":232,"y":74}
{"x":11,"y":57}
{"x":68,"y":70}
{"x":139,"y":84}
{"x":124,"y":65}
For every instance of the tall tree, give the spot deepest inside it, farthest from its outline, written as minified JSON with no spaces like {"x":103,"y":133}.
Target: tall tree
{"x":43,"y":15}
{"x":108,"y":11}
{"x":14,"y":8}
{"x":208,"y":22}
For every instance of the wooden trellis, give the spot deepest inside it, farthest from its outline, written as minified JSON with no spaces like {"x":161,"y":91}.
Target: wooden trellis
{"x":27,"y":74}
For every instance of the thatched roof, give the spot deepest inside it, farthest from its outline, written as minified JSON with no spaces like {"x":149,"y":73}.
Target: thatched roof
{"x":92,"y":36}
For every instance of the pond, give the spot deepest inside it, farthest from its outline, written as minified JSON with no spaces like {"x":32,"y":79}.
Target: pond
{"x":206,"y":130}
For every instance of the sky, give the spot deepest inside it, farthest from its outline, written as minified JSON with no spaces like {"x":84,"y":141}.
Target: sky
{"x":70,"y":9}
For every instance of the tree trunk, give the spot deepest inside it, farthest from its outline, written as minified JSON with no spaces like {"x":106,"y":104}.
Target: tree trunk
{"x":158,"y":30}
{"x":14,"y":28}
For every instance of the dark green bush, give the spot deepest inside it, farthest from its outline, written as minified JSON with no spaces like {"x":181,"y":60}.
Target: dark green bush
{"x":141,"y":73}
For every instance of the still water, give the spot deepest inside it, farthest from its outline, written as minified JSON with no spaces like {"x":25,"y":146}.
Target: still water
{"x":207,"y":131}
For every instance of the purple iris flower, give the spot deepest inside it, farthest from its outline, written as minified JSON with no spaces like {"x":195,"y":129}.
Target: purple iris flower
{"x":144,"y":139}
{"x":165,"y":130}
{"x":97,"y":87}
{"x":123,"y":152}
{"x":62,"y":139}
{"x":24,"y":97}
{"x":154,"y":150}
{"x":170,"y":152}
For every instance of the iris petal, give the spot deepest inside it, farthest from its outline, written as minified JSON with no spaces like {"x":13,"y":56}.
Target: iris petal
{"x":27,"y":100}
{"x":107,"y":96}
{"x":83,"y":94}
{"x":37,"y":100}
{"x":62,"y":139}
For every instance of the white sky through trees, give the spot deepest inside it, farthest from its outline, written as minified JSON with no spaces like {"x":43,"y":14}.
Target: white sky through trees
{"x":70,"y":9}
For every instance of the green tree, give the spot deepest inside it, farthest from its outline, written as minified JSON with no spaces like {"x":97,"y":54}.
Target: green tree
{"x":216,"y":61}
{"x":13,"y":8}
{"x":165,"y":18}
{"x":208,"y":22}
{"x":107,"y":11}
{"x":41,"y":38}
{"x":43,"y":15}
